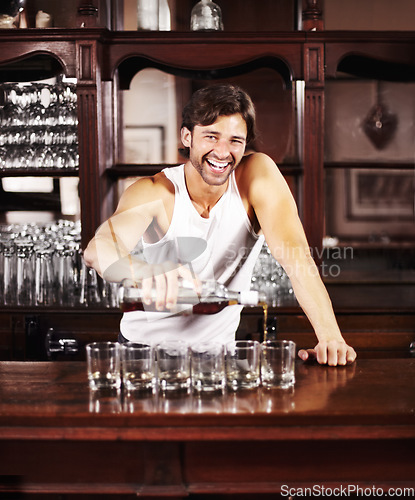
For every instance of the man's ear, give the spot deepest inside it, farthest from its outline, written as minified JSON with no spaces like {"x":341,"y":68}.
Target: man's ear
{"x":186,"y":137}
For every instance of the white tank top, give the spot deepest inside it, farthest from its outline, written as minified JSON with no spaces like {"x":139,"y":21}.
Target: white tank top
{"x":223,"y":247}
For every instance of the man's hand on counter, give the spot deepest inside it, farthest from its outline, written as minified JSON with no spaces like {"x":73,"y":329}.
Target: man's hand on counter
{"x":332,"y":353}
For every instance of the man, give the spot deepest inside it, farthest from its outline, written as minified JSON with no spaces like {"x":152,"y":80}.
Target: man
{"x":224,"y":198}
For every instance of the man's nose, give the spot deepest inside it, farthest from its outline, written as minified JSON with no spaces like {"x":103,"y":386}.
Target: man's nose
{"x":222,"y":149}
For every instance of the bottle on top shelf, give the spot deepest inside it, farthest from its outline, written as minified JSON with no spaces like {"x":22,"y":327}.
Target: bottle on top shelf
{"x":206,"y":16}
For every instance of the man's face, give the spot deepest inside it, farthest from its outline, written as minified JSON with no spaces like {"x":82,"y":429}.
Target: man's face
{"x":216,"y":149}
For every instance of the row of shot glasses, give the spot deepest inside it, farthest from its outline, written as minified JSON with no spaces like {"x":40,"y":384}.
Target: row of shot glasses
{"x":207,"y":367}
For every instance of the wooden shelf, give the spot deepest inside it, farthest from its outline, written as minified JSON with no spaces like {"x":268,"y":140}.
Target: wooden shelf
{"x":39,"y":172}
{"x":122,"y":170}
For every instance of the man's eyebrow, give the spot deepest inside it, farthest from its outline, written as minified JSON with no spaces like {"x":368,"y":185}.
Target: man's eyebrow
{"x":211,"y":131}
{"x":215,"y":132}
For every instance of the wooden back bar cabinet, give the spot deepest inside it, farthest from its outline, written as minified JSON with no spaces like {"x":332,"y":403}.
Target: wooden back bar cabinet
{"x":104,"y":60}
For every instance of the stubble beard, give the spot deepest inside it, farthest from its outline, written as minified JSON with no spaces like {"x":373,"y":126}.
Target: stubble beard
{"x":210,"y":178}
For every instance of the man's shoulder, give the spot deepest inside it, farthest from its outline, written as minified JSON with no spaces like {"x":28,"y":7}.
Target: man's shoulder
{"x":253,"y":165}
{"x":254,"y":159}
{"x":146,"y":190}
{"x":155,"y":184}
{"x":161,"y":181}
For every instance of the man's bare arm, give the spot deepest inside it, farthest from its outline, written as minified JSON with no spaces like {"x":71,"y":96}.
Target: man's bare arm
{"x":118,"y":236}
{"x":278,"y":217}
{"x":109,"y":252}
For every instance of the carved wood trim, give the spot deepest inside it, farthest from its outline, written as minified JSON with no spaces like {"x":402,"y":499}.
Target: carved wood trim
{"x":313,"y":144}
{"x":90,"y":184}
{"x":86,"y":62}
{"x":313,"y":169}
{"x":314,"y":64}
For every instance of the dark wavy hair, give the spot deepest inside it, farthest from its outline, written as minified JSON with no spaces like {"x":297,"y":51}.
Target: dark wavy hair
{"x":208,"y":103}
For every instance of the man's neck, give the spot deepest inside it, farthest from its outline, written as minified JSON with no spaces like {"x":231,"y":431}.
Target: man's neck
{"x":203,"y":196}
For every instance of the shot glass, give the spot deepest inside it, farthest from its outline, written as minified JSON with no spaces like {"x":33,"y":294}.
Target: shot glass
{"x":208,"y":367}
{"x":242,"y":364}
{"x":173,"y":366}
{"x":137,"y":363}
{"x":278,"y":363}
{"x":103,"y":365}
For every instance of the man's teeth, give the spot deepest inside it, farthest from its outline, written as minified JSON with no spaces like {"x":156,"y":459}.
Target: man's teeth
{"x":218,"y":165}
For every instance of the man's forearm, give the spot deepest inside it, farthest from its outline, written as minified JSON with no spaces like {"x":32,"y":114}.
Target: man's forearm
{"x":313,"y":298}
{"x":109,"y":260}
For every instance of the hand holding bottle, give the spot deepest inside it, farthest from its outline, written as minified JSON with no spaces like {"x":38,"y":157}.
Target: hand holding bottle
{"x":160,"y":284}
{"x":153,"y":284}
{"x":206,"y":297}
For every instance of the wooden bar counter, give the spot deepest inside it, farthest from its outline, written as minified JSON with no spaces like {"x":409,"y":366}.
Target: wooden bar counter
{"x":347,"y":427}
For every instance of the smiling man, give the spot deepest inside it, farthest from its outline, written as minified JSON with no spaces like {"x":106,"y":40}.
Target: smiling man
{"x":230,"y":201}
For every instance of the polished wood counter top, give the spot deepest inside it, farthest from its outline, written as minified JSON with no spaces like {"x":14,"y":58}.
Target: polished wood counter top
{"x":37,"y":396}
{"x":337,"y":426}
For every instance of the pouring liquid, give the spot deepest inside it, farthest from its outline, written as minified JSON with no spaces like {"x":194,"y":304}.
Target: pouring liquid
{"x":265,"y":320}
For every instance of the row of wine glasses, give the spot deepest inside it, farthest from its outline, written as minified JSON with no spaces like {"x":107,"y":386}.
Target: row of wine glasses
{"x":38,"y":125}
{"x":18,"y":157}
{"x":36,"y":135}
{"x":38,"y":103}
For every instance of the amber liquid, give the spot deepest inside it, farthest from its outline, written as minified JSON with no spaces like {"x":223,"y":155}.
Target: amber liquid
{"x":265,"y":320}
{"x":132,"y":306}
{"x":212,"y":307}
{"x":200,"y":308}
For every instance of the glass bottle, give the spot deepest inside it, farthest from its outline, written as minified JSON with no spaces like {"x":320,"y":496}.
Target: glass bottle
{"x":64,"y":275}
{"x":90,"y":290}
{"x":24,"y":273}
{"x":44,"y":295}
{"x":9,"y":272}
{"x":206,"y":16}
{"x":213,"y":297}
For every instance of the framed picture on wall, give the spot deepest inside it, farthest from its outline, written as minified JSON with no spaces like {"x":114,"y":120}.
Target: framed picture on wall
{"x":380,"y":194}
{"x":364,"y":203}
{"x":144,"y":144}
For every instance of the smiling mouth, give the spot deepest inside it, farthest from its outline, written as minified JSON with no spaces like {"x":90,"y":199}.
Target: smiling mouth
{"x":218,"y":166}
